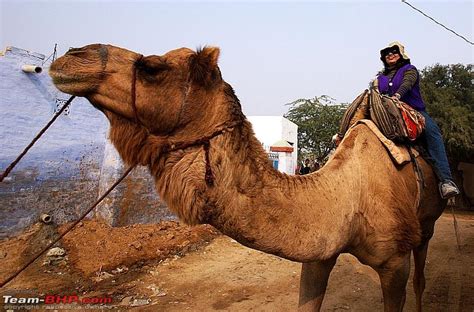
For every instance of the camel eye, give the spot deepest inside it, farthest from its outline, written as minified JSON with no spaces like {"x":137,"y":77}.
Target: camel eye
{"x":152,"y":66}
{"x":154,"y":70}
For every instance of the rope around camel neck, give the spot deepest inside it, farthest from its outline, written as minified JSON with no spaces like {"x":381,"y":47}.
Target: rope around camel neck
{"x":15,"y":162}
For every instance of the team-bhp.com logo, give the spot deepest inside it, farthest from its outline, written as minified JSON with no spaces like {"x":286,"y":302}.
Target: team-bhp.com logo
{"x":55,"y":299}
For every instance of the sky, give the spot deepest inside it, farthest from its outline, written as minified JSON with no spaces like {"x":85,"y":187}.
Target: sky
{"x":272,"y":52}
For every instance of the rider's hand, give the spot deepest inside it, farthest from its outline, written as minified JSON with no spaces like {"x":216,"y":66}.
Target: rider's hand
{"x":396,"y":97}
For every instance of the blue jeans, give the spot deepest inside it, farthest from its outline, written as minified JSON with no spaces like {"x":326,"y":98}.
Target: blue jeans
{"x":435,"y":146}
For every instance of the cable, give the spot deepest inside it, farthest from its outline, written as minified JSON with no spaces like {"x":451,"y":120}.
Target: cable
{"x":51,"y":55}
{"x":470,"y":42}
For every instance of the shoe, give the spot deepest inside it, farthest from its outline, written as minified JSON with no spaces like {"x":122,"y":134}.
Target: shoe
{"x":448,"y":189}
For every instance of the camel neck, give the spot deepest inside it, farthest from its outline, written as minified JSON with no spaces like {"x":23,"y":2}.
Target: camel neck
{"x":302,"y":218}
{"x":271,"y":211}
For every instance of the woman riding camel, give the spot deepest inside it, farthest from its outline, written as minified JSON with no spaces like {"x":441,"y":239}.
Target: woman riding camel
{"x":401,"y":80}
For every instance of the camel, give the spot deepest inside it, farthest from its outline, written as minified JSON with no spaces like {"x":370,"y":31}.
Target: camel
{"x":176,"y":115}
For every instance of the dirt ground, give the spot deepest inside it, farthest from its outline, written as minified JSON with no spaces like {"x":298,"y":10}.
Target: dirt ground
{"x":172,"y":267}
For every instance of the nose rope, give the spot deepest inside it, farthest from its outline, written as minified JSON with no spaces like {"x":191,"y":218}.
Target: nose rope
{"x":170,"y":147}
{"x":134,"y":92}
{"x":133,"y":95}
{"x":208,"y":176}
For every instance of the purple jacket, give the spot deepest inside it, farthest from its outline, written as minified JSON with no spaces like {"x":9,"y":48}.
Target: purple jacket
{"x":390,"y":86}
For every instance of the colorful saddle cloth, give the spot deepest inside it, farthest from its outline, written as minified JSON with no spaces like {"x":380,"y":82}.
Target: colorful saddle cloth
{"x":398,"y":121}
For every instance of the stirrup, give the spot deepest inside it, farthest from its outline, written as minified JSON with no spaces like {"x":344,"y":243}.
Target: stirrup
{"x":448,"y":189}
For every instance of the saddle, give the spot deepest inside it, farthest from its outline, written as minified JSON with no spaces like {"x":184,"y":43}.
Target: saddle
{"x":395,"y":124}
{"x":397,"y":120}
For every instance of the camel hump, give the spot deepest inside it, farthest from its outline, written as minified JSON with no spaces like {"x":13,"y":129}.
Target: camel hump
{"x":398,"y":153}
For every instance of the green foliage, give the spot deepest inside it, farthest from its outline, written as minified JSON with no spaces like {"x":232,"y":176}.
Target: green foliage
{"x":449,"y":96}
{"x":318,"y":120}
{"x":448,"y":93}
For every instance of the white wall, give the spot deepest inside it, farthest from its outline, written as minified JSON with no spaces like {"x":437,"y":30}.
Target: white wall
{"x":290,"y":133}
{"x":270,"y":129}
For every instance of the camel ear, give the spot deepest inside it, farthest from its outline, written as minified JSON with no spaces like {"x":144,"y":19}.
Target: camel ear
{"x":204,"y":69}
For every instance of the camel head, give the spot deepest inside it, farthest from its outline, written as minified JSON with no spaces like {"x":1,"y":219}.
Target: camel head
{"x":159,"y":93}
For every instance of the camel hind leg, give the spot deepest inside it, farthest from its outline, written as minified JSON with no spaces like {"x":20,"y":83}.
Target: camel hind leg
{"x":393,"y":279}
{"x":314,"y":279}
{"x":419,"y":255}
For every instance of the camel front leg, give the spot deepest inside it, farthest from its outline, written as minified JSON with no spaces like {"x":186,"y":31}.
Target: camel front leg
{"x":314,"y":279}
{"x":393,"y":278}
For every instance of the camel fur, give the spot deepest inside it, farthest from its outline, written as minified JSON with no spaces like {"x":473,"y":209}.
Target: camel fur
{"x":358,"y":203}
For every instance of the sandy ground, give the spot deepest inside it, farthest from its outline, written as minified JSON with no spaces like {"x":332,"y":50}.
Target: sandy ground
{"x":171,"y":267}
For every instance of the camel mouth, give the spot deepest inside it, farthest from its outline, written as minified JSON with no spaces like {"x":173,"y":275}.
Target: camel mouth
{"x":75,"y":84}
{"x":69,"y":75}
{"x":71,"y":86}
{"x":61,"y":80}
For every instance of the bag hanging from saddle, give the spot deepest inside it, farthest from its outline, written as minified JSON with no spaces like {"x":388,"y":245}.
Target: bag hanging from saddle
{"x":397,"y":120}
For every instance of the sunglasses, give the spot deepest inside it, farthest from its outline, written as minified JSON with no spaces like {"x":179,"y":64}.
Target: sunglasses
{"x":390,"y":51}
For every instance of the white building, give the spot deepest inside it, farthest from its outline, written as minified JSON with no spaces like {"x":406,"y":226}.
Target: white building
{"x":279,"y":137}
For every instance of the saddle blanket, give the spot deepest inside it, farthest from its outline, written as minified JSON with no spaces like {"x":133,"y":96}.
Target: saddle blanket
{"x":398,"y":152}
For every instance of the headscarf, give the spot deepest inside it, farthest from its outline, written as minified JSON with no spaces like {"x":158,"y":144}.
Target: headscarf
{"x":404,"y":58}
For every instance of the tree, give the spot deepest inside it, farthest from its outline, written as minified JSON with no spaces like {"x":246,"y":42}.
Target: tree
{"x":318,"y":120}
{"x":449,"y":95}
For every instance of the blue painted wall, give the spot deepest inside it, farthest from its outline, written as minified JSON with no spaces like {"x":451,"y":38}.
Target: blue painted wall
{"x":63,"y":172}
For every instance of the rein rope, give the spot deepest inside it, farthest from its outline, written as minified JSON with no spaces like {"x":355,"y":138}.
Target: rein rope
{"x":166,"y":148}
{"x":6,"y":281}
{"x":15,"y":162}
{"x":36,"y":138}
{"x":133,"y":92}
